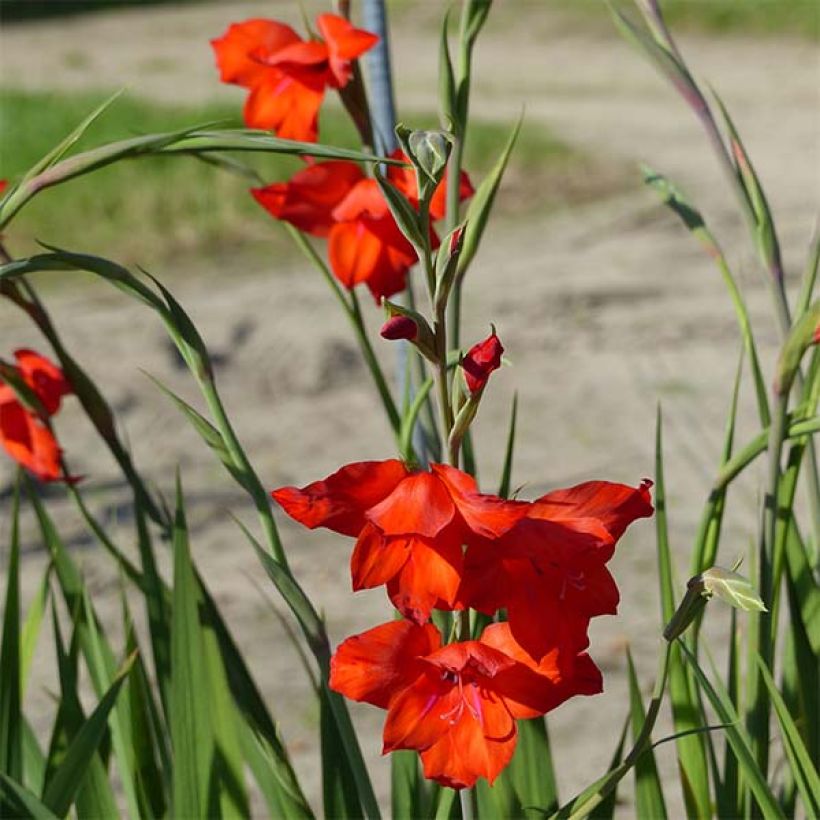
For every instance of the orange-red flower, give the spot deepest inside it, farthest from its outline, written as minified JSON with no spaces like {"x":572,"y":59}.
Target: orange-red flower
{"x":549,"y":571}
{"x":287,"y":76}
{"x":410,"y":526}
{"x":25,"y":434}
{"x":455,"y":704}
{"x":337,"y":201}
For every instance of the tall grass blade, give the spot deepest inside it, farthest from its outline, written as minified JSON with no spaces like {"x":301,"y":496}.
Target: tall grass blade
{"x":31,"y":628}
{"x":606,"y":809}
{"x":406,"y":786}
{"x":532,"y":770}
{"x":649,"y":800}
{"x":506,"y":470}
{"x":737,"y":738}
{"x":800,"y":764}
{"x":66,"y":780}
{"x":11,"y":673}
{"x":686,"y":713}
{"x":19,"y":802}
{"x":192,"y":736}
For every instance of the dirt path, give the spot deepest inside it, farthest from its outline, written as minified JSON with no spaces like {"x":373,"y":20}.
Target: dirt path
{"x":604,"y":311}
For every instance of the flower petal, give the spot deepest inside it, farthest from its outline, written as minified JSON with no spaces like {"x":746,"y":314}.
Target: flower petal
{"x":280,"y":103}
{"x":344,"y":43}
{"x":375,"y":665}
{"x":340,"y":501}
{"x":354,"y":252}
{"x":430,"y":577}
{"x":239,"y":48}
{"x":419,"y":505}
{"x":29,"y":442}
{"x":376,"y":558}
{"x":486,"y":515}
{"x":43,"y":377}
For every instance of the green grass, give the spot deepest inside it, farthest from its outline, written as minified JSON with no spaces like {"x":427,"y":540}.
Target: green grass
{"x":158,"y":210}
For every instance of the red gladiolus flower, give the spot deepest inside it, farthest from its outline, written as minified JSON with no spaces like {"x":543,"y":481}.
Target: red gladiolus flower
{"x":336,"y":200}
{"x":480,"y":361}
{"x":399,"y":327}
{"x":457,"y":704}
{"x":549,"y":571}
{"x":286,"y":75}
{"x":410,"y":526}
{"x":26,"y":436}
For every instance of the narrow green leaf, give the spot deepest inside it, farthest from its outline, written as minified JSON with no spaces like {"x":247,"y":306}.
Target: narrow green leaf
{"x":34,"y":761}
{"x":273,"y":776}
{"x":605,"y":810}
{"x":737,"y":738}
{"x":446,"y":79}
{"x":21,"y":802}
{"x":339,"y":795}
{"x":210,"y":435}
{"x":403,"y":212}
{"x":31,"y":627}
{"x":11,"y":688}
{"x":649,"y":800}
{"x":406,"y":792}
{"x":191,"y":731}
{"x":800,"y":764}
{"x":532,"y":770}
{"x":478,"y":211}
{"x":506,"y":470}
{"x":728,"y":792}
{"x":686,"y":715}
{"x":408,"y":422}
{"x":63,"y":786}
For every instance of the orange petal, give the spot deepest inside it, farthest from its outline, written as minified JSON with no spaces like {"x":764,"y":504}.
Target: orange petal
{"x":344,"y":43}
{"x":485,"y":515}
{"x":376,"y":559}
{"x":429,"y":578}
{"x":239,"y":49}
{"x":43,"y":377}
{"x":280,"y":103}
{"x":354,"y":252}
{"x":414,"y":719}
{"x":377,"y":664}
{"x":29,"y":442}
{"x":339,"y":501}
{"x":419,"y":505}
{"x":472,"y":748}
{"x":365,"y":198}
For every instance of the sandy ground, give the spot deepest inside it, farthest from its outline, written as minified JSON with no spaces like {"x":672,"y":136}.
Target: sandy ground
{"x":605,"y":311}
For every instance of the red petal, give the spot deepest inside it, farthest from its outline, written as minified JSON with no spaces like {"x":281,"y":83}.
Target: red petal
{"x":377,"y":559}
{"x":362,"y":199}
{"x":473,"y":748}
{"x":43,"y":377}
{"x":340,"y":501}
{"x":414,"y":716}
{"x":615,"y":506}
{"x":308,"y":199}
{"x":354,"y":252}
{"x":430,"y":578}
{"x":376,"y":665}
{"x":486,"y":515}
{"x":29,"y":442}
{"x":485,"y":585}
{"x":419,"y":505}
{"x":238,"y":50}
{"x":279,"y":103}
{"x":481,"y":360}
{"x":438,"y":202}
{"x":344,"y":43}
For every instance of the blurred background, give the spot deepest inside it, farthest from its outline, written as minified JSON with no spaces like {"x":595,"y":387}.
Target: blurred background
{"x":605,"y":305}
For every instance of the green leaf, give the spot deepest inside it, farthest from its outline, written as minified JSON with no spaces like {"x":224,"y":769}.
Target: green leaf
{"x":800,"y":338}
{"x":408,"y":422}
{"x":506,"y":470}
{"x":34,"y":761}
{"x":605,"y":810}
{"x":31,"y":627}
{"x":800,"y":764}
{"x":192,"y":735}
{"x":686,"y":713}
{"x":649,"y":800}
{"x":738,"y":740}
{"x":405,"y":215}
{"x":63,"y":785}
{"x":446,"y":79}
{"x":339,"y":795}
{"x":11,"y":688}
{"x":532,"y":770}
{"x":478,"y":211}
{"x":407,"y":786}
{"x":21,"y":802}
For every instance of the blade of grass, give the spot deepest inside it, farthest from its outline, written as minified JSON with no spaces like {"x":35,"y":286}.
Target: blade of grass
{"x":31,"y":627}
{"x":192,"y":734}
{"x":649,"y":800}
{"x":11,"y":688}
{"x":22,"y":803}
{"x":506,"y":471}
{"x":606,"y":809}
{"x":532,"y":769}
{"x":737,"y":738}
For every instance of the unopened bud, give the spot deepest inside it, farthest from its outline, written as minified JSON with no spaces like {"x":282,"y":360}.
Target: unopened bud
{"x":399,"y":327}
{"x":430,"y":151}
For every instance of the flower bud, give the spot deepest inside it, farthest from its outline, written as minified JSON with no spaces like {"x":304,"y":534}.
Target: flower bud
{"x":430,"y":151}
{"x":481,"y":360}
{"x":399,"y":327}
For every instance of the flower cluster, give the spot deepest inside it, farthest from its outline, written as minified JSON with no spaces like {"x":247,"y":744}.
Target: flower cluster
{"x":286,"y":76}
{"x":436,"y":542}
{"x":336,"y":201}
{"x":25,"y":430}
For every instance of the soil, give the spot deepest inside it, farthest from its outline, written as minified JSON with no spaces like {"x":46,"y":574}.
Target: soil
{"x":606,"y":311}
